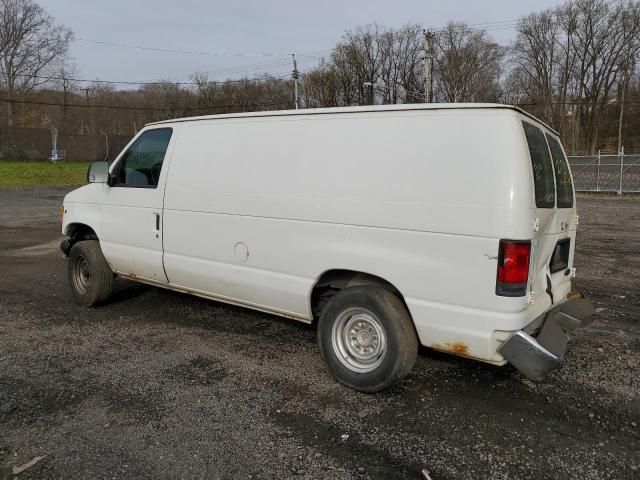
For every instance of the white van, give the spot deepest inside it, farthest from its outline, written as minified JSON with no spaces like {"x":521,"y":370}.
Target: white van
{"x":452,"y":226}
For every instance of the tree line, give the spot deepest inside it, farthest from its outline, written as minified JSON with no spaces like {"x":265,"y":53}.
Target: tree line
{"x":574,"y":66}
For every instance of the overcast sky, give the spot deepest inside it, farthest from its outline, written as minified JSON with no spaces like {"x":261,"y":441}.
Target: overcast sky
{"x":246,"y":27}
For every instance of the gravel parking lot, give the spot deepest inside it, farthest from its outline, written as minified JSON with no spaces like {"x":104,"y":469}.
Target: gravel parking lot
{"x":160,"y":385}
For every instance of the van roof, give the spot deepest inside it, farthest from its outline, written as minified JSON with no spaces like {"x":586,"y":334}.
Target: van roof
{"x":361,"y":109}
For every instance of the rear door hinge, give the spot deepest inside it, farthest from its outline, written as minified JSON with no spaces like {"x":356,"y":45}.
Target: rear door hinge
{"x":536,"y":224}
{"x":573,"y":273}
{"x":577,"y":219}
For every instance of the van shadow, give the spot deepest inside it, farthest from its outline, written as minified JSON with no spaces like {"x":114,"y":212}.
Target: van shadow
{"x":470,"y":365}
{"x":188,"y":310}
{"x":125,"y":290}
{"x":192,"y":311}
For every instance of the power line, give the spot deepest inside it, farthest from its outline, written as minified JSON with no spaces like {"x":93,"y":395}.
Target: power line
{"x":236,"y":69}
{"x":185,"y":52}
{"x":231,"y":70}
{"x":246,"y":75}
{"x":274,"y":63}
{"x":578,"y":102}
{"x":194,"y":52}
{"x":486,"y":26}
{"x":125,"y":82}
{"x":247,"y":67}
{"x":262,"y":104}
{"x":239,"y":69}
{"x":139,"y":107}
{"x":495,"y":25}
{"x":417,"y":94}
{"x":497,"y":22}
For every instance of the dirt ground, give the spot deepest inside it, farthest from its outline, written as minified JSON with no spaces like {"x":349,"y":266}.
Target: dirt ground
{"x":162,"y":385}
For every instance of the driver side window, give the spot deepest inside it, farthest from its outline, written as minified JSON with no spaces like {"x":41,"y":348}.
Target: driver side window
{"x":141,"y":164}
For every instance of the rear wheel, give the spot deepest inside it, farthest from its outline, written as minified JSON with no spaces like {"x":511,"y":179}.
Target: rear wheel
{"x":90,"y":276}
{"x":366,"y":338}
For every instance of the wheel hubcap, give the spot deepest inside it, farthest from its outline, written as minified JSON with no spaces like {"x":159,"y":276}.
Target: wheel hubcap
{"x":359,"y":340}
{"x":81,"y":275}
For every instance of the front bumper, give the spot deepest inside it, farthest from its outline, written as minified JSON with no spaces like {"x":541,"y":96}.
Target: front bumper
{"x":540,"y":347}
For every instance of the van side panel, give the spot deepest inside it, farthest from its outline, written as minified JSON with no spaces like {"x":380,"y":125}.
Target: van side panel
{"x":450,"y":172}
{"x":256,"y":209}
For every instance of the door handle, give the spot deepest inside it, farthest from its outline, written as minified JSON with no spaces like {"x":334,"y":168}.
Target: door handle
{"x":157,"y":221}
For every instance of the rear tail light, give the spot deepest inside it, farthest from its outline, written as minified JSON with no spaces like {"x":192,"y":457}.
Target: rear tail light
{"x":513,"y":268}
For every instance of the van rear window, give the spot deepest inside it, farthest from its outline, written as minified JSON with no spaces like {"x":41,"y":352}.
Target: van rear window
{"x":542,"y":168}
{"x":563,"y":177}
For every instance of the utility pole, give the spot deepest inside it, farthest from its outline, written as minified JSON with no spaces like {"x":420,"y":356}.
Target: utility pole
{"x":428,"y":59}
{"x":295,"y":75}
{"x":86,"y":97}
{"x":370,"y":87}
{"x":623,"y":87}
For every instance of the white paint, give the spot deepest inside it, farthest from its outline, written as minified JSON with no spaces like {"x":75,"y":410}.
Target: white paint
{"x":418,"y":195}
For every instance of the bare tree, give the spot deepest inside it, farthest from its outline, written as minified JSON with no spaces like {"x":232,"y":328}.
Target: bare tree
{"x":359,"y":59}
{"x":467,"y":65}
{"x":412,"y":62}
{"x":167,"y":98}
{"x":321,"y":87}
{"x":600,"y":40}
{"x":30,"y":43}
{"x":401,"y":72}
{"x":572,"y":59}
{"x":371,"y":64}
{"x":536,"y":52}
{"x":575,"y":66}
{"x":206,"y":90}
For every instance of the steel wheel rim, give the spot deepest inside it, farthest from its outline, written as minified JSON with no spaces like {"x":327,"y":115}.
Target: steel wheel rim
{"x":359,"y":340}
{"x":81,"y":275}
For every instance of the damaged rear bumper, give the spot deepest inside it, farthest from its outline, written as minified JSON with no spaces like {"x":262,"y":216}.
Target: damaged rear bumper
{"x":541,"y":346}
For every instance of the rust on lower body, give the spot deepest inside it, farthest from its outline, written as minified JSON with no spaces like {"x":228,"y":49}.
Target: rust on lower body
{"x":457,"y":348}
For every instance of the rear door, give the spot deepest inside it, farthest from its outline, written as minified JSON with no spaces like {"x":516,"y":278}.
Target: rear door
{"x":554,"y":241}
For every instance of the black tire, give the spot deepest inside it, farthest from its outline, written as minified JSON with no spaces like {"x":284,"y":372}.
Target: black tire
{"x":388,"y":312}
{"x":89,"y":274}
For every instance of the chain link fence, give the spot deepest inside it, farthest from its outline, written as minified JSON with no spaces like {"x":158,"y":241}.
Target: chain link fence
{"x":606,"y":173}
{"x":591,"y":173}
{"x":36,"y":144}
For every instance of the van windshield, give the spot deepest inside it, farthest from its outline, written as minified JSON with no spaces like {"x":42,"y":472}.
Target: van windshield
{"x":563,"y":177}
{"x":542,"y":168}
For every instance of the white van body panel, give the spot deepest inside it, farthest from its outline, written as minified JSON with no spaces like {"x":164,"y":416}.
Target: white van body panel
{"x":257,"y":207}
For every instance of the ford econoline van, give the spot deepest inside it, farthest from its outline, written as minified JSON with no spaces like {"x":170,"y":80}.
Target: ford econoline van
{"x":451,"y":226}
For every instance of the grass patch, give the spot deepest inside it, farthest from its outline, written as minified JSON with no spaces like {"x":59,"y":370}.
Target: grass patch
{"x":42,"y":174}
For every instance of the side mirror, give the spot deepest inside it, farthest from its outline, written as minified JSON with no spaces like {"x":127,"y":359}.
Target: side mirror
{"x":98,"y":172}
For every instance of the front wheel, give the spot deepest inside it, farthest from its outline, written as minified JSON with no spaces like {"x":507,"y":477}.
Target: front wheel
{"x":90,"y":276}
{"x":366,"y":338}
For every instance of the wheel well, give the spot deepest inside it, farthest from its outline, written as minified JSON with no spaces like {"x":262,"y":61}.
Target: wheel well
{"x":80,"y":231}
{"x":332,"y":281}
